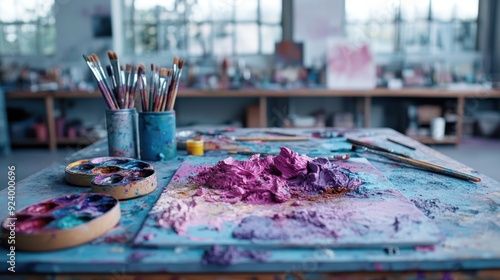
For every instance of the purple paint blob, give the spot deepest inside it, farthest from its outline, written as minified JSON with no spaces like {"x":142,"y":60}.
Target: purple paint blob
{"x":219,"y":255}
{"x":295,"y":225}
{"x":138,"y":256}
{"x":274,"y":179}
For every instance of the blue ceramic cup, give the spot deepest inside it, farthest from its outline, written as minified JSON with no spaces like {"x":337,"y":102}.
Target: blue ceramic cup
{"x":121,"y":126}
{"x":157,"y":135}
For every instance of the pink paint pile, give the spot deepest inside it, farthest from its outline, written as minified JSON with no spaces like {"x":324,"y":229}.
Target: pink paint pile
{"x":273,"y":179}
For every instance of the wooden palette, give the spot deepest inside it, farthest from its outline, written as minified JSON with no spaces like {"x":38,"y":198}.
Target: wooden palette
{"x":63,"y":222}
{"x":377,"y":216}
{"x":123,"y":178}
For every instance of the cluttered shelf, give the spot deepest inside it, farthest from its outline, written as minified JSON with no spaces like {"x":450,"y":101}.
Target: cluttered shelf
{"x":378,"y":92}
{"x":64,"y":141}
{"x":365,"y":95}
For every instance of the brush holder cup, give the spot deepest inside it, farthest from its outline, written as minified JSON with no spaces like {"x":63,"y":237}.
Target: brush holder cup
{"x":157,"y":135}
{"x":122,"y":133}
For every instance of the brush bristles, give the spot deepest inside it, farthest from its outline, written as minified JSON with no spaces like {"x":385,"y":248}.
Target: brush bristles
{"x":119,"y":83}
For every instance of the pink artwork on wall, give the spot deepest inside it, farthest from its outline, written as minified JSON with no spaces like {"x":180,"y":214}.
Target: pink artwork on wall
{"x":350,"y":65}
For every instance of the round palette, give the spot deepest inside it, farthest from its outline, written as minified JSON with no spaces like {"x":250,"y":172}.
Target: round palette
{"x":63,"y":222}
{"x":123,"y":178}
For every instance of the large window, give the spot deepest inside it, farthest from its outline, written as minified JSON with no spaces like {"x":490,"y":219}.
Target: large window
{"x":416,"y":26}
{"x":202,"y":27}
{"x":27,"y":27}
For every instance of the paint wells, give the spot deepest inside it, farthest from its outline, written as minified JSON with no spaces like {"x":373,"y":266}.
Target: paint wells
{"x":93,"y":198}
{"x":66,"y":199}
{"x":143,"y":173}
{"x":82,"y":172}
{"x":136,"y":165}
{"x":33,"y":224}
{"x":42,"y":208}
{"x":62,"y":212}
{"x":77,"y":220}
{"x":84,"y":167}
{"x":108,"y":179}
{"x":115,"y":162}
{"x":73,"y":220}
{"x":107,"y":169}
{"x":122,"y":178}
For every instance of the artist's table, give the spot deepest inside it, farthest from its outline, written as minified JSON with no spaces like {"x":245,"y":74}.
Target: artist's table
{"x":467,"y":214}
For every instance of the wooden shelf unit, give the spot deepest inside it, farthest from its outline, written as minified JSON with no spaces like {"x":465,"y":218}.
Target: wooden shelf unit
{"x":365,"y":95}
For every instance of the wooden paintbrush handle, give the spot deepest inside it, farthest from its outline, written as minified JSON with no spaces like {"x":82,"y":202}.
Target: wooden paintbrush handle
{"x":430,"y":166}
{"x":282,"y":138}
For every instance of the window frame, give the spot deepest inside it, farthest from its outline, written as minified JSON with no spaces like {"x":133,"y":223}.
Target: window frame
{"x":132,"y":49}
{"x":398,"y":24}
{"x":39,"y":26}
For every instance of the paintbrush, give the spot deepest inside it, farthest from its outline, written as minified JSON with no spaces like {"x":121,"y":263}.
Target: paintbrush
{"x":422,"y":164}
{"x":96,"y":60}
{"x":177,"y":78}
{"x":264,"y":154}
{"x":157,"y":88}
{"x":282,"y":138}
{"x":151,"y":87}
{"x":279,"y":133}
{"x":377,"y":148}
{"x":401,"y":143}
{"x":111,"y":76}
{"x":162,"y":88}
{"x":115,"y":66}
{"x":166,"y":89}
{"x":100,"y":83}
{"x":142,"y":80}
{"x":132,"y":87}
{"x":128,"y":78}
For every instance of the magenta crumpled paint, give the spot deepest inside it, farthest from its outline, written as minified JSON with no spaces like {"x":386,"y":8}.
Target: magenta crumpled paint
{"x":272,"y":179}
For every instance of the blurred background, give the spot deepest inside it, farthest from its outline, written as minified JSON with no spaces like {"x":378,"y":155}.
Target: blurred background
{"x":278,"y":63}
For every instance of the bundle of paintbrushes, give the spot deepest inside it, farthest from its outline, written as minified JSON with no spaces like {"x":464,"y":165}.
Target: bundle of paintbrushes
{"x":117,"y":86}
{"x":158,"y":88}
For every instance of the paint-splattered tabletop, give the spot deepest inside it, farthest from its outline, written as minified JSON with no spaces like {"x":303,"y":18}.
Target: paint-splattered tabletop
{"x":466,"y":214}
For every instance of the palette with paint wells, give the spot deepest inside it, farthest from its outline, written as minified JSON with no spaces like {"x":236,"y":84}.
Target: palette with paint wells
{"x":123,"y":178}
{"x":63,"y":222}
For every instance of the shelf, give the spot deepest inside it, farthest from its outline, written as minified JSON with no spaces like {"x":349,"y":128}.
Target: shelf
{"x":77,"y":141}
{"x":429,"y":140}
{"x":59,"y":141}
{"x":29,"y":142}
{"x":54,"y":94}
{"x":365,"y":96}
{"x":187,"y":93}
